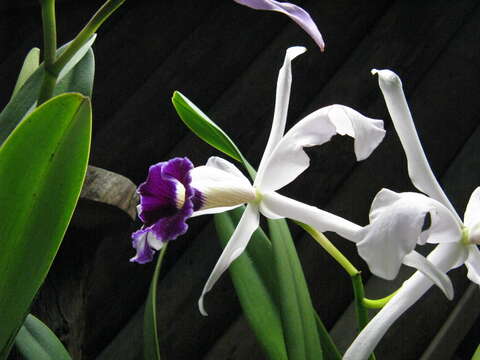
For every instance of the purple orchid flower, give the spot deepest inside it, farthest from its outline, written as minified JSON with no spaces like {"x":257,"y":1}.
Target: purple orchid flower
{"x":175,"y":190}
{"x":294,"y":12}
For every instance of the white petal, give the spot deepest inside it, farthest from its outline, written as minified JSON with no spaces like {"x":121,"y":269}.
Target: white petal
{"x":236,"y":245}
{"x":221,"y":185}
{"x":275,"y":204}
{"x":418,"y":168}
{"x":396,"y":226}
{"x":472,"y":212}
{"x":288,"y":159}
{"x":282,"y":100}
{"x":473,"y":264}
{"x":444,"y":256}
{"x":224,"y":165}
{"x":440,"y":279}
{"x":215,"y":210}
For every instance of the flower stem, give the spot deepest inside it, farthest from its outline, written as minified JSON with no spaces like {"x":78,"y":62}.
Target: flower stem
{"x":378,"y":303}
{"x":323,"y":241}
{"x":360,"y":309}
{"x":49,"y":49}
{"x":92,"y":26}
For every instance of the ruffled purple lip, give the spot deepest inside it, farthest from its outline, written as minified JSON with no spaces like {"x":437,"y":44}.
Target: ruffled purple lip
{"x":163,"y":220}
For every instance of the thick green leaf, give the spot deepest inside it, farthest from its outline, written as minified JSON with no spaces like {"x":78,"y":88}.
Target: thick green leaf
{"x":253,"y":278}
{"x":296,"y":309}
{"x":42,"y":168}
{"x":203,"y":127}
{"x":151,"y":345}
{"x":35,"y":341}
{"x":30,"y":64}
{"x":26,"y":97}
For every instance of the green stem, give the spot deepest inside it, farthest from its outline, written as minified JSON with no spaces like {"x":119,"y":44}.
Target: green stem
{"x":360,"y":309}
{"x":92,"y":26}
{"x":49,"y":49}
{"x":351,"y":270}
{"x":323,"y":241}
{"x":378,"y":303}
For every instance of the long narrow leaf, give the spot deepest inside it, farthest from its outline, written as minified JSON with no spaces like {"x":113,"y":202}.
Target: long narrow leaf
{"x":298,"y":316}
{"x":203,"y":127}
{"x":42,"y":168}
{"x":151,"y":345}
{"x":26,"y":97}
{"x":35,"y":341}
{"x":253,"y":278}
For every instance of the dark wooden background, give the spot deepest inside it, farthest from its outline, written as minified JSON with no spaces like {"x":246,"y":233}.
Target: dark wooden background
{"x":226,"y":58}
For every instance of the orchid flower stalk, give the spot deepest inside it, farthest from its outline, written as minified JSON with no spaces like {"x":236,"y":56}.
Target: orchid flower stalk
{"x":400,"y":221}
{"x":175,"y":190}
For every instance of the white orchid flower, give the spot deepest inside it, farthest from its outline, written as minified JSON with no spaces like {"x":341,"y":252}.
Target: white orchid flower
{"x":401,"y":221}
{"x":175,"y":190}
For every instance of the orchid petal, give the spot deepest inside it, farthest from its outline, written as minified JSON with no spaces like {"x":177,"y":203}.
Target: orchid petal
{"x":282,"y":99}
{"x":288,"y":160}
{"x":235,"y":247}
{"x":215,"y":210}
{"x":472,"y":212}
{"x":282,"y":206}
{"x":220,"y":184}
{"x":443,"y":257}
{"x":418,"y":168}
{"x":473,"y":264}
{"x":225,"y":165}
{"x":296,"y":13}
{"x":397,"y":225}
{"x":440,"y":279}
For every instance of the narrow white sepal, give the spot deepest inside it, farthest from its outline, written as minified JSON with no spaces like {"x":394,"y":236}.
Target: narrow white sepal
{"x":418,"y":168}
{"x":282,"y":100}
{"x":444,"y":257}
{"x":419,"y":262}
{"x":235,"y":247}
{"x":283,"y":207}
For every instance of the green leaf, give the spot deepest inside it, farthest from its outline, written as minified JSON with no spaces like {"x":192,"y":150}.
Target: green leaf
{"x":203,"y":127}
{"x":252,"y":277}
{"x":296,"y":309}
{"x":151,"y":345}
{"x":330,"y":350}
{"x":30,"y":64}
{"x":42,"y":168}
{"x":26,"y":97}
{"x":35,"y":341}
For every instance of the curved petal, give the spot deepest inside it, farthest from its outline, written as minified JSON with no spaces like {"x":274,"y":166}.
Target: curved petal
{"x":473,"y":264}
{"x":397,"y":224}
{"x":440,"y":279}
{"x":236,"y":245}
{"x":288,"y":160}
{"x":418,"y":168}
{"x":274,"y":205}
{"x":472,"y":212}
{"x":282,"y":99}
{"x":444,"y":256}
{"x":296,"y":13}
{"x":225,"y":165}
{"x":145,"y":242}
